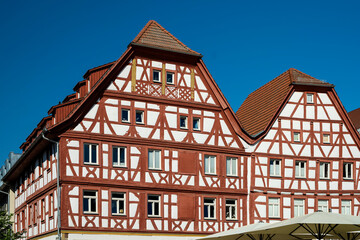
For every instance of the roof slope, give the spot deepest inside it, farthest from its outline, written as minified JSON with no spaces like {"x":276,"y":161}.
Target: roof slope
{"x":355,"y":117}
{"x":154,"y":35}
{"x":261,"y":105}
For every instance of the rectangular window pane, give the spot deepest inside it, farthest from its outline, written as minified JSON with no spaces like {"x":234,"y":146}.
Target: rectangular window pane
{"x":93,"y":154}
{"x":115,"y":155}
{"x":86,"y":153}
{"x":125,"y":115}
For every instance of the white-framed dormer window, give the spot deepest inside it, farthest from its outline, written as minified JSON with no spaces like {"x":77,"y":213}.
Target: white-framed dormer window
{"x":309,"y":98}
{"x":170,"y":78}
{"x":323,"y":205}
{"x":196,"y":123}
{"x":90,"y":202}
{"x":274,"y":207}
{"x":299,"y":207}
{"x":230,"y":209}
{"x":297,"y":137}
{"x":209,"y":208}
{"x":118,"y":203}
{"x":183,"y":122}
{"x":139,"y":116}
{"x":348,"y":170}
{"x":119,"y":156}
{"x":210,"y":164}
{"x":300,"y":169}
{"x":125,"y":115}
{"x":153,"y":206}
{"x":275,"y":167}
{"x":346,"y":207}
{"x":90,"y":153}
{"x":326,"y":138}
{"x":156,"y":75}
{"x":324,"y":170}
{"x":154,"y":159}
{"x":231,"y":166}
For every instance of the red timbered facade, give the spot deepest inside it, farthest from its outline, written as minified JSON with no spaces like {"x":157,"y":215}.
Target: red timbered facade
{"x":148,"y":146}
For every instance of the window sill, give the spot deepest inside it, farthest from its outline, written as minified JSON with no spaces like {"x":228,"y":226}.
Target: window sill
{"x":304,"y":178}
{"x":275,"y":176}
{"x":140,"y":123}
{"x":92,"y":164}
{"x":127,"y":122}
{"x":94,"y":214}
{"x":154,"y":217}
{"x":232,"y":176}
{"x":210,"y":219}
{"x":211,"y":174}
{"x":348,"y":179}
{"x":231,"y":219}
{"x":122,"y":167}
{"x":326,"y":179}
{"x":118,"y":215}
{"x":155,"y":169}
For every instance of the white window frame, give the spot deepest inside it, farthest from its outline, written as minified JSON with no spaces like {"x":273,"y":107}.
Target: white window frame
{"x":210,"y":208}
{"x":274,"y":207}
{"x":309,"y":98}
{"x":197,"y":119}
{"x":117,"y":201}
{"x":142,"y":116}
{"x":297,"y":137}
{"x":299,"y":207}
{"x":348,"y":170}
{"x":231,"y":209}
{"x":323,"y":170}
{"x":346,"y":207}
{"x":118,"y":156}
{"x":90,"y":146}
{"x":128,"y":115}
{"x":275,"y":167}
{"x":209,"y":162}
{"x":231,"y":166}
{"x":300,"y":169}
{"x":159,"y":72}
{"x":186,"y":122}
{"x":324,"y":138}
{"x":323,"y":204}
{"x":172,"y":78}
{"x":152,"y":160}
{"x":153,"y":203}
{"x":89,"y":198}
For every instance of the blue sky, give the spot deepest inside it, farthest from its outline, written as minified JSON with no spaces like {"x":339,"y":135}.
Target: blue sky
{"x":47,"y":46}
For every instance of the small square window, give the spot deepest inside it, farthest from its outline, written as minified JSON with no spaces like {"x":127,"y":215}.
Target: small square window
{"x":156,"y":76}
{"x":230,"y":209}
{"x":231,"y":166}
{"x":275,"y":167}
{"x":119,"y":156}
{"x":125,"y":115}
{"x":210,"y":164}
{"x":183,"y":122}
{"x":300,"y":167}
{"x":139,"y":117}
{"x":209,"y":208}
{"x":153,"y":206}
{"x":90,"y":153}
{"x":296,"y":137}
{"x":274,"y":207}
{"x":324,"y":170}
{"x":326,"y":138}
{"x":154,"y":159}
{"x":170,"y":78}
{"x":118,"y":203}
{"x":196,"y":124}
{"x":309,"y":98}
{"x":90,"y":202}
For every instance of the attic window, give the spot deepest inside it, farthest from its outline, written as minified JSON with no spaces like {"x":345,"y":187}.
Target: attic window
{"x":309,"y":98}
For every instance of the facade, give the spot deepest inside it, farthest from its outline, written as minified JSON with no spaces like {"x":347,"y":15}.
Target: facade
{"x":148,"y":146}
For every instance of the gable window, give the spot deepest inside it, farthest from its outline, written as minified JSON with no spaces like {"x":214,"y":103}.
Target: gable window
{"x":119,"y":156}
{"x":324,"y":170}
{"x":169,"y":78}
{"x":183,"y":122}
{"x":153,"y":205}
{"x":309,"y":98}
{"x":347,"y":170}
{"x":299,"y":207}
{"x":231,"y":166}
{"x":90,"y":202}
{"x":209,"y":208}
{"x":346,"y":207}
{"x":300,"y":167}
{"x":90,"y":153}
{"x":274,"y":207}
{"x":323,"y":205}
{"x":196,"y":123}
{"x":154,"y":159}
{"x":118,"y":203}
{"x":326,"y":138}
{"x":230,"y":209}
{"x":296,"y":137}
{"x":210,"y":164}
{"x":156,"y":76}
{"x":139,"y":116}
{"x":125,"y":115}
{"x":275,"y":166}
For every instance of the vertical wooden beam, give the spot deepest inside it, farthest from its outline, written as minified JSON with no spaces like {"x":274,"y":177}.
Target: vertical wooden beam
{"x":133,"y":75}
{"x":163,"y":80}
{"x":192,"y":83}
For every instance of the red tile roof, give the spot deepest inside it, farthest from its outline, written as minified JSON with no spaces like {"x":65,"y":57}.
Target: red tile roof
{"x":355,"y":117}
{"x":154,"y":35}
{"x":261,"y":105}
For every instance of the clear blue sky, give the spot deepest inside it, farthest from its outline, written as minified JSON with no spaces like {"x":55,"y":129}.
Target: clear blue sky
{"x":47,"y":46}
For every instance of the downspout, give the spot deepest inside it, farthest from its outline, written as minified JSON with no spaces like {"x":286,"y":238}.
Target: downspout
{"x":57,"y":184}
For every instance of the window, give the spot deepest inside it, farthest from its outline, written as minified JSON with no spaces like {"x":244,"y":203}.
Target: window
{"x":209,"y":208}
{"x":156,"y":76}
{"x":299,"y":207}
{"x":296,"y":137}
{"x":323,"y":205}
{"x":154,"y":159}
{"x":300,"y":167}
{"x":326,"y":138}
{"x":230,"y":209}
{"x":275,"y":165}
{"x":118,"y":203}
{"x":51,"y":205}
{"x":139,"y":116}
{"x":274,"y":207}
{"x":210,"y":163}
{"x":196,"y":123}
{"x":347,"y":170}
{"x":119,"y":156}
{"x":90,"y":202}
{"x":153,"y":205}
{"x":183,"y":122}
{"x":170,"y":78}
{"x":324,"y":170}
{"x":346,"y":207}
{"x":310,"y":98}
{"x":231,"y":166}
{"x":125,"y":115}
{"x":90,"y":153}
